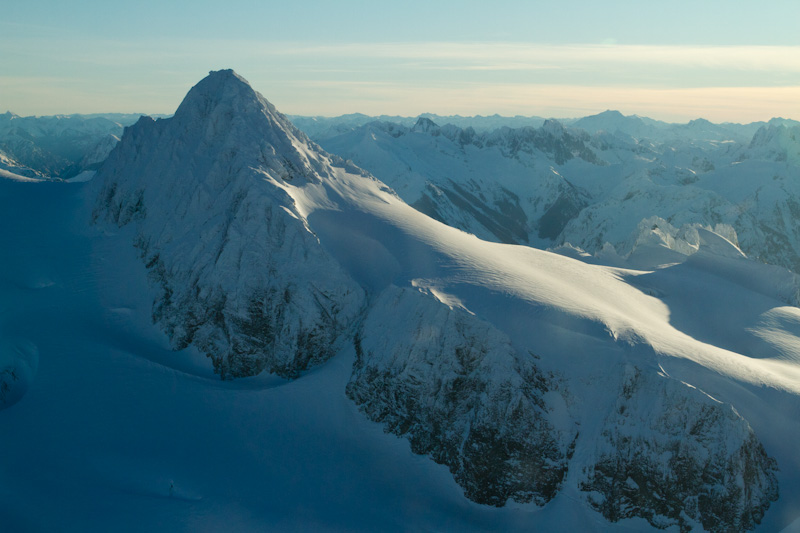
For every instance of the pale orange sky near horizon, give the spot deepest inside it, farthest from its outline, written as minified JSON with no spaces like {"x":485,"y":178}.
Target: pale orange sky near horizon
{"x":723,"y":61}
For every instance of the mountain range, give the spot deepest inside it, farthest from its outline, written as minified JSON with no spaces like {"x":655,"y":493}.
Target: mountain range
{"x":595,"y":187}
{"x":230,"y":327}
{"x":59,"y":146}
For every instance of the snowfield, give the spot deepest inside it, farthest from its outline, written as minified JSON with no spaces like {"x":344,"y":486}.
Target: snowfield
{"x":553,"y":391}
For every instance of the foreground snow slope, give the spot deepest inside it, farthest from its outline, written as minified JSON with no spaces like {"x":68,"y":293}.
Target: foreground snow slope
{"x":489,"y":357}
{"x":117,"y":432}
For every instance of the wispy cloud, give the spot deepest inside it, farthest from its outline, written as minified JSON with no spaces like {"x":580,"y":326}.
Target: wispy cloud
{"x":723,"y":83}
{"x":737,"y":83}
{"x":520,"y":55}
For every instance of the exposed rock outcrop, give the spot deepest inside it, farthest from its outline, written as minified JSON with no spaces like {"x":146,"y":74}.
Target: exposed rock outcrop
{"x":456,"y":388}
{"x":673,"y":455}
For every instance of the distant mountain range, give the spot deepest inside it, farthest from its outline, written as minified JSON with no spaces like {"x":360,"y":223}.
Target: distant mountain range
{"x":59,"y":146}
{"x":594,"y":182}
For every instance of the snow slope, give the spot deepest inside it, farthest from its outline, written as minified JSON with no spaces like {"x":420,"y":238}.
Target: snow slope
{"x":693,"y":401}
{"x":115,"y":431}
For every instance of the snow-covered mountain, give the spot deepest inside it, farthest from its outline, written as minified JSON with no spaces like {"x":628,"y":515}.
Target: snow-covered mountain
{"x":614,"y":122}
{"x":556,"y":185}
{"x":642,"y":128}
{"x":750,"y":187}
{"x":560,"y":392}
{"x":59,"y":146}
{"x":501,"y":186}
{"x":320,"y":128}
{"x":241,"y":275}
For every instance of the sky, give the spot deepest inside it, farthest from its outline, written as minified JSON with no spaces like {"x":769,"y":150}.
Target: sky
{"x":726,"y":61}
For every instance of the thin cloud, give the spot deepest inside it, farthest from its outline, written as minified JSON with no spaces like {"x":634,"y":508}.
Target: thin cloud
{"x":758,"y":58}
{"x":723,"y":83}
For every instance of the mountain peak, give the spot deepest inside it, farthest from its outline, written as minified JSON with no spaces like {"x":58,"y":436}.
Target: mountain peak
{"x":610,"y":113}
{"x":553,"y":127}
{"x":224,"y":113}
{"x":221,"y":87}
{"x":779,"y":121}
{"x":208,"y":191}
{"x":699,"y":123}
{"x":426,"y":125}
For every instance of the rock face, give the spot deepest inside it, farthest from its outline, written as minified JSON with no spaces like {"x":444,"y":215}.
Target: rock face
{"x":454,"y":386}
{"x":241,"y":275}
{"x":673,"y":455}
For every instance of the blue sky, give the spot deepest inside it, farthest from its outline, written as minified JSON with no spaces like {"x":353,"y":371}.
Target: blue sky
{"x":678,"y":60}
